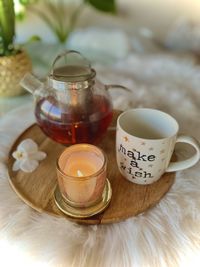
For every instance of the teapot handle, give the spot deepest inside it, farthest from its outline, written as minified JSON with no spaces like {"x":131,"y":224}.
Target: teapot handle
{"x":65,"y":54}
{"x":114,"y":86}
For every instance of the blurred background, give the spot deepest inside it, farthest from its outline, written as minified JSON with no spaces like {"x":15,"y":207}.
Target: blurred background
{"x":157,"y":15}
{"x":107,"y":29}
{"x":107,"y":32}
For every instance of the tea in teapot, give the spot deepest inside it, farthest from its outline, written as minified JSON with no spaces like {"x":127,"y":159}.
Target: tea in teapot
{"x":71,"y":106}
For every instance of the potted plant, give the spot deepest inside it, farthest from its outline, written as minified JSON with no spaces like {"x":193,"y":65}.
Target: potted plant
{"x":14,"y":62}
{"x":61,"y":16}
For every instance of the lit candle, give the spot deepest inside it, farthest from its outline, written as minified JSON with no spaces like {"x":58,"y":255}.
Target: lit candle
{"x":82,"y":174}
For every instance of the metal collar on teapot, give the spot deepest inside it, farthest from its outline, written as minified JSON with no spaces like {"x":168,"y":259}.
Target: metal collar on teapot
{"x":73,"y":74}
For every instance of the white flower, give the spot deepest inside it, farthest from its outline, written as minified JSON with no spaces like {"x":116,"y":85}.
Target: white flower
{"x":27,"y":156}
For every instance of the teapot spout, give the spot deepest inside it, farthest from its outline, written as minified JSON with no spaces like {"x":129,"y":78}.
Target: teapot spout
{"x":30,"y":83}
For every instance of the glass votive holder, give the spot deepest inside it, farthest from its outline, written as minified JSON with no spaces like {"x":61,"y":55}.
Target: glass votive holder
{"x":82,"y":175}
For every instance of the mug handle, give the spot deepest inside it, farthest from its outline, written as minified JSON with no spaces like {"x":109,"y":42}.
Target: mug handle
{"x":184,"y":164}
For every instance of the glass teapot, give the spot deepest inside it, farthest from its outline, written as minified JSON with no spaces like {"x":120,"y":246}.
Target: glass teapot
{"x":71,"y":106}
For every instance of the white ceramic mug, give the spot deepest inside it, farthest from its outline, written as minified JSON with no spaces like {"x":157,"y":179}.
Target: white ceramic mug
{"x":145,"y":142}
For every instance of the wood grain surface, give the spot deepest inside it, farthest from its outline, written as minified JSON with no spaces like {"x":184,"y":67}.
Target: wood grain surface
{"x":128,"y":199}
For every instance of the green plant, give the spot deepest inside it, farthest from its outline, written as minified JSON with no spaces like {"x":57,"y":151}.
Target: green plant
{"x":7,"y":27}
{"x":61,"y":17}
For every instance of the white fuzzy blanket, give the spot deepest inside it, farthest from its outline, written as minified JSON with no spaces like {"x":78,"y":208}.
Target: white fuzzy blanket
{"x":167,"y":235}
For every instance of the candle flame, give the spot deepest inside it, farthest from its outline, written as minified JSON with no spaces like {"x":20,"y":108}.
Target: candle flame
{"x":79,"y":173}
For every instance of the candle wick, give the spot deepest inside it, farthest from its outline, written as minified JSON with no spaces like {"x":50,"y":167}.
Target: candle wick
{"x":79,"y":173}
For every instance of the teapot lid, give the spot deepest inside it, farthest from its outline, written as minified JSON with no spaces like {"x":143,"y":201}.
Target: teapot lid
{"x":73,"y":72}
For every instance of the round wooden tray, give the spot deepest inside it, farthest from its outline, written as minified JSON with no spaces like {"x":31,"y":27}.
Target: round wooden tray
{"x":37,"y":189}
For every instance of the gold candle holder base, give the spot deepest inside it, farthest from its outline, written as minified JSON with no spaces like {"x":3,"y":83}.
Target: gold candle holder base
{"x":83,"y":212}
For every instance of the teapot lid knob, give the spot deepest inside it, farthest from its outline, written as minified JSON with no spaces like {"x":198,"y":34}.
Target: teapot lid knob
{"x":71,"y":66}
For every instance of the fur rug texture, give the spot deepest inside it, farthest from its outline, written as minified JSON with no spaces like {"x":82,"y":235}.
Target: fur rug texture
{"x":167,"y":235}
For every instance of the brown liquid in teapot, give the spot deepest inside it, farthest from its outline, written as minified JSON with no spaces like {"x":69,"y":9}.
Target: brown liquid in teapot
{"x":69,"y":126}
